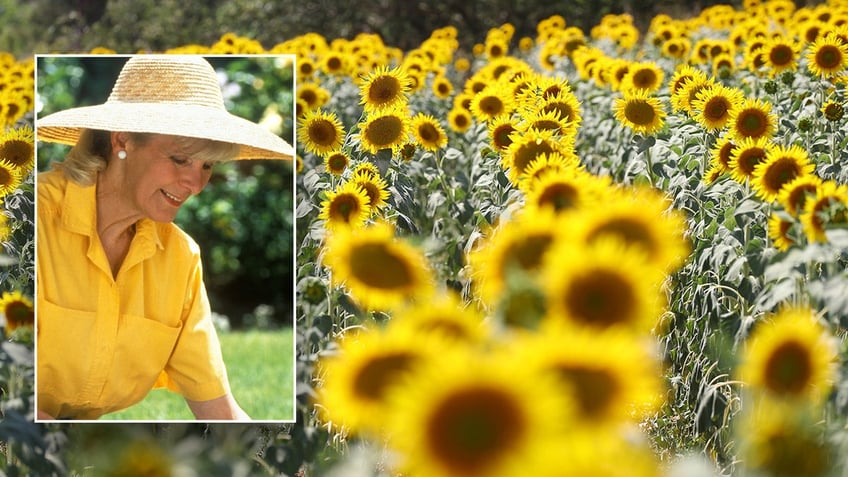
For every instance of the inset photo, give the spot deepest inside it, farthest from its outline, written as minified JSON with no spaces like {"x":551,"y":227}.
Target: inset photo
{"x":164,"y":238}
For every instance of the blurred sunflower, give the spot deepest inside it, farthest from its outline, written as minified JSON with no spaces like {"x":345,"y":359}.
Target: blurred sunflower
{"x":781,"y":231}
{"x":442,"y":87}
{"x":446,"y":316}
{"x":791,"y":356}
{"x":686,"y":94}
{"x":548,"y":120}
{"x":380,"y":271}
{"x":321,"y":132}
{"x":641,"y":218}
{"x":10,"y":177}
{"x":828,"y":56}
{"x":682,"y":74}
{"x":429,"y":134}
{"x":612,"y":375}
{"x":313,"y":95}
{"x":746,"y":155}
{"x":601,"y":285}
{"x":780,"y":439}
{"x":781,"y":165}
{"x":356,"y":379}
{"x":714,"y":104}
{"x":514,"y":251}
{"x":640,"y":111}
{"x":141,"y":457}
{"x":384,"y":88}
{"x":336,"y":162}
{"x":376,"y":188}
{"x":17,"y":148}
{"x":829,"y":206}
{"x":468,"y":415}
{"x":347,"y":206}
{"x":334,"y":63}
{"x":752,"y":119}
{"x":384,"y":129}
{"x":366,"y":168}
{"x":18,"y":311}
{"x":794,"y":194}
{"x":566,"y":189}
{"x":459,"y":119}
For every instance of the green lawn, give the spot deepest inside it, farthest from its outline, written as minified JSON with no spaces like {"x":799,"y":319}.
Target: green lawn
{"x":260,"y":365}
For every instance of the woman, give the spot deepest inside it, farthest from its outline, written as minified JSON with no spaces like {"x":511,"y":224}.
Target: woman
{"x":121,"y":304}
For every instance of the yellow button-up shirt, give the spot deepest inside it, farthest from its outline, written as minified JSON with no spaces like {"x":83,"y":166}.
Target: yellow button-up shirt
{"x":103,"y":343}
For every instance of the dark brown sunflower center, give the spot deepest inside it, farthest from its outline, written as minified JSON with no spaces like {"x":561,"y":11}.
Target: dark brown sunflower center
{"x":601,"y":298}
{"x":788,"y":368}
{"x":322,"y":132}
{"x":639,"y":112}
{"x":384,"y":90}
{"x":378,"y":266}
{"x":384,"y":131}
{"x":376,"y":376}
{"x":594,"y":388}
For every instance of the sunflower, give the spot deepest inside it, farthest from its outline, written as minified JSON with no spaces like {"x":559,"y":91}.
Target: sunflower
{"x":683,"y":74}
{"x":714,"y":104}
{"x":794,"y":194}
{"x":10,"y":177}
{"x":334,"y":63}
{"x":641,"y":218}
{"x":321,"y":132}
{"x":833,"y":111}
{"x":781,"y":55}
{"x":459,"y":119}
{"x":446,"y":316}
{"x":17,"y":148}
{"x":384,"y":129}
{"x":18,"y":311}
{"x":347,"y":206}
{"x":746,"y":155}
{"x":376,"y":188}
{"x":720,"y":155}
{"x":468,"y":415}
{"x":514,"y":251}
{"x":442,"y":87}
{"x":828,"y":56}
{"x":429,"y":134}
{"x":645,"y":76}
{"x":548,"y":120}
{"x":686,"y":94}
{"x":380,"y":270}
{"x":829,"y":206}
{"x":545,"y":163}
{"x":336,"y":162}
{"x":640,"y":111}
{"x":143,"y":456}
{"x":781,"y":230}
{"x":384,"y":88}
{"x":601,"y":285}
{"x":611,"y":375}
{"x":752,"y":119}
{"x":313,"y":95}
{"x":525,"y":148}
{"x":790,"y":356}
{"x":500,"y":128}
{"x":781,"y":165}
{"x":491,"y":102}
{"x":566,"y":105}
{"x":357,"y":378}
{"x":366,"y":168}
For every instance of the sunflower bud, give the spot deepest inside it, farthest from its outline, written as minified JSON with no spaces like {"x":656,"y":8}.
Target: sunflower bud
{"x":805,"y":124}
{"x":770,"y":87}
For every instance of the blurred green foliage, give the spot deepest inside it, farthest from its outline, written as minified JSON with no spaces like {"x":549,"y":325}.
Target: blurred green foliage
{"x":243,"y":220}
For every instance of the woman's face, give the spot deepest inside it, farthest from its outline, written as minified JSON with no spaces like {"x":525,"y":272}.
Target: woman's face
{"x":162,"y":173}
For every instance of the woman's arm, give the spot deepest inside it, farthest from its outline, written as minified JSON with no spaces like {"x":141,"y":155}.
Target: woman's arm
{"x":222,"y":408}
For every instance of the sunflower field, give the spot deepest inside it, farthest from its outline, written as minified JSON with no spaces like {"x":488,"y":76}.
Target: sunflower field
{"x":611,"y":252}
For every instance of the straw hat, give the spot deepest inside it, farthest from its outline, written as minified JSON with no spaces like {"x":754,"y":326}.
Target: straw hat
{"x":166,"y":94}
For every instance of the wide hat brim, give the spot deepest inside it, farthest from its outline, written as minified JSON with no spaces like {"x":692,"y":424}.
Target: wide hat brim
{"x":254,"y":141}
{"x":166,"y":94}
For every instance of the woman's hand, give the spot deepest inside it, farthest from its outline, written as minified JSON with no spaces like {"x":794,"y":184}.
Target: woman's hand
{"x":222,"y":408}
{"x":43,"y":416}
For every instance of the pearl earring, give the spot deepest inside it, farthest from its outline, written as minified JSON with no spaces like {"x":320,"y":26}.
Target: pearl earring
{"x":122,"y":154}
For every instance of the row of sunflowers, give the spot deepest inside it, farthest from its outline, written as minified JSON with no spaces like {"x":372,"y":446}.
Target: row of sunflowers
{"x":577,"y":253}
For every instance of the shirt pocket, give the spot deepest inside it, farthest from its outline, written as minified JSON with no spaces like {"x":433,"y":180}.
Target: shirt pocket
{"x":66,"y":352}
{"x":142,"y":349}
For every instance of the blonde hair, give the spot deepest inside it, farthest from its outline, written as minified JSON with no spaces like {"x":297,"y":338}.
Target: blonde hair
{"x":92,"y":151}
